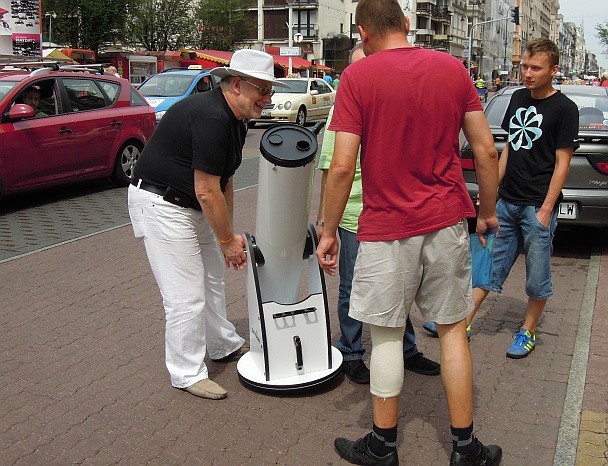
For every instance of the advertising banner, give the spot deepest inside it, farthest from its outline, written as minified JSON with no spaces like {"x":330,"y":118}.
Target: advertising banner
{"x":20,"y":27}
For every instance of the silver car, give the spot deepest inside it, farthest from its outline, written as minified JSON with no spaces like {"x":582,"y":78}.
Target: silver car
{"x":585,"y":192}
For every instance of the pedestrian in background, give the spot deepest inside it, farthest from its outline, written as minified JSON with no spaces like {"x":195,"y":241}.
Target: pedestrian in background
{"x":414,"y":242}
{"x":335,"y":82}
{"x":350,"y":344}
{"x":543,"y":134}
{"x":181,"y":204}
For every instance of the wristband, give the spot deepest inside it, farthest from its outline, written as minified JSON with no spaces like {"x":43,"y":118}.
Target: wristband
{"x":226,"y":241}
{"x":320,"y":223}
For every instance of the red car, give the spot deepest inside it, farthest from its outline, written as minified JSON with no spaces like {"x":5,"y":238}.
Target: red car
{"x":58,"y":127}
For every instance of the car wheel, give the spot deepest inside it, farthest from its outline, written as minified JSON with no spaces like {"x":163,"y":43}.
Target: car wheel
{"x":301,"y":117}
{"x":125,"y":163}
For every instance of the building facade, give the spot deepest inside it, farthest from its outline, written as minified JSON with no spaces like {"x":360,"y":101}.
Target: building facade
{"x":327,"y":31}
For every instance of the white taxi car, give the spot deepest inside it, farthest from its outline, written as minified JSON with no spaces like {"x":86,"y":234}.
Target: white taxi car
{"x":305,"y":99}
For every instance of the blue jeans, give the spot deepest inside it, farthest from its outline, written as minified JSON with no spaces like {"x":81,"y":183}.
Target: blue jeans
{"x":520,"y":230}
{"x":350,"y":344}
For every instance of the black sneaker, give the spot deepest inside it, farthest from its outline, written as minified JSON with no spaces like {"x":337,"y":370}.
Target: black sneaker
{"x":421,"y":365}
{"x":356,"y":371}
{"x":488,"y":456}
{"x":358,"y":452}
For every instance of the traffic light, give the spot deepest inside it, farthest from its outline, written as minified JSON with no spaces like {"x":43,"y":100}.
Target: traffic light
{"x":515,"y":15}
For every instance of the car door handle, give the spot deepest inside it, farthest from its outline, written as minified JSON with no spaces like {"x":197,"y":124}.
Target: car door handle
{"x":65,"y":130}
{"x":116,"y":123}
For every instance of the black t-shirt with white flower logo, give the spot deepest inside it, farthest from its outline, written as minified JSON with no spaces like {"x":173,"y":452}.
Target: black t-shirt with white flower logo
{"x":537,"y":128}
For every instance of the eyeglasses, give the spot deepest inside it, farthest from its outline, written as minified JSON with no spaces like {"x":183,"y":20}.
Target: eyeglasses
{"x":264,"y":91}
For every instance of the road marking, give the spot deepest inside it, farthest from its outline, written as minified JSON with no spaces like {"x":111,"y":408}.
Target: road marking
{"x":567,"y":437}
{"x":63,"y":242}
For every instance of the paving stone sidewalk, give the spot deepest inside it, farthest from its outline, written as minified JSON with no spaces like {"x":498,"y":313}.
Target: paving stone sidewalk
{"x":82,"y":378}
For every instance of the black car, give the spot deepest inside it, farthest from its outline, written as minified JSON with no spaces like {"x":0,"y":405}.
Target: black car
{"x":585,"y":192}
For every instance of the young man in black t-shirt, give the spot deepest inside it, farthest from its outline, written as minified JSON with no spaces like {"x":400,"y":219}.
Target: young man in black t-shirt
{"x":543,"y":134}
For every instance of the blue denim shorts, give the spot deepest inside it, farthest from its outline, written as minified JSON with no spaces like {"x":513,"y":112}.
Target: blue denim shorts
{"x":521,"y":231}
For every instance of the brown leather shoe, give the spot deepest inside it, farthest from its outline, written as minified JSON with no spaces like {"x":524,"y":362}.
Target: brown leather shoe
{"x":207,"y":388}
{"x":235,"y":355}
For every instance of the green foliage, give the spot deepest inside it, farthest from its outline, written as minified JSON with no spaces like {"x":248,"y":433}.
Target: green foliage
{"x":160,"y":24}
{"x":222,"y":24}
{"x":602,"y":33}
{"x":86,"y":23}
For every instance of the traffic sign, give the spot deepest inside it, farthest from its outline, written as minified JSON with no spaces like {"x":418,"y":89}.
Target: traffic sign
{"x":297,"y":37}
{"x":290,"y":51}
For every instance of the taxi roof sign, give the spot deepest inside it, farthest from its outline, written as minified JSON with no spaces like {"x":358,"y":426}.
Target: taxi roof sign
{"x":195,"y":67}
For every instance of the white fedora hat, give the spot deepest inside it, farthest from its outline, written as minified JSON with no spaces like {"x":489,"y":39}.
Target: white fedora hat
{"x":250,"y":64}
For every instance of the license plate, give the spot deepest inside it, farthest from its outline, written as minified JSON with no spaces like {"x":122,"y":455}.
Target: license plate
{"x":265,"y":113}
{"x":567,"y":210}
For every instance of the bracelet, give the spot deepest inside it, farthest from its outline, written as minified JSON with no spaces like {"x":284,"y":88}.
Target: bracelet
{"x":320,"y":223}
{"x":225,"y":241}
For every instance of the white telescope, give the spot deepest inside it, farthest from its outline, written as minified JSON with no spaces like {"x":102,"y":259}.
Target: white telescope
{"x":289,"y":334}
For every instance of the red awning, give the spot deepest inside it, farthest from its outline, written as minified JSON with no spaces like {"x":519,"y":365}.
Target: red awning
{"x":223,"y":58}
{"x":219,"y":56}
{"x":297,"y":63}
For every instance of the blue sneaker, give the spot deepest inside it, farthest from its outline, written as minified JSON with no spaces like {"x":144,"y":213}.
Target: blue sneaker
{"x":432,"y":329}
{"x":523,"y":344}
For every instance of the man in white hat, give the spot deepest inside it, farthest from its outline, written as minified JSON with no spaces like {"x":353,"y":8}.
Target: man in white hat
{"x":180,"y":204}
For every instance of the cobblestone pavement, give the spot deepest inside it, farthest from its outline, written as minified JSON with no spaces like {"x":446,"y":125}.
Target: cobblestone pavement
{"x":82,"y":378}
{"x":71,"y":212}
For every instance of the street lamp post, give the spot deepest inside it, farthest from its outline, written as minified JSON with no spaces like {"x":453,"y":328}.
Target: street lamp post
{"x":51,"y":15}
{"x":471,"y":36}
{"x":290,"y":36}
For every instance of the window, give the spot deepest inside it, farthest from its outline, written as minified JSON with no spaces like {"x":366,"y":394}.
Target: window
{"x":111,"y":89}
{"x":324,"y":88}
{"x":41,"y":96}
{"x":84,"y":94}
{"x":136,"y":99}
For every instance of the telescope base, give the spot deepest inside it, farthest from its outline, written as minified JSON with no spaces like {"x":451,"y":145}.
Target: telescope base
{"x":250,"y":375}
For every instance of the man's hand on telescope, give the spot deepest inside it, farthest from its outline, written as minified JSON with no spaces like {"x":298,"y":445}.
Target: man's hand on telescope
{"x":328,"y":246}
{"x":234,"y":252}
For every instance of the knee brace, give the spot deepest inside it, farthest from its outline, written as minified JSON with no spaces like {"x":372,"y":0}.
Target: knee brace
{"x":386,"y":366}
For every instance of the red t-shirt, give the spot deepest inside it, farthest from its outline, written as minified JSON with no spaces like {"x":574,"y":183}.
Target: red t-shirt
{"x":408,"y":106}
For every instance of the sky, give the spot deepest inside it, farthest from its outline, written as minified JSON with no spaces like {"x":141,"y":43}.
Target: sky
{"x":590,"y":12}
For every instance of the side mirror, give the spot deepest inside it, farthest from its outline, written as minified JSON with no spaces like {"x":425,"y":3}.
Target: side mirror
{"x":314,"y":92}
{"x":20,"y":111}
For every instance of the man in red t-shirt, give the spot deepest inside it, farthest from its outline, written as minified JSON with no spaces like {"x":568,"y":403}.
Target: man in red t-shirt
{"x":414,"y":243}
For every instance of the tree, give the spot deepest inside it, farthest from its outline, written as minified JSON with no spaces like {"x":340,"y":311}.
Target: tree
{"x":161,"y":24}
{"x":87,"y":24}
{"x":602,"y":33}
{"x":222,"y":24}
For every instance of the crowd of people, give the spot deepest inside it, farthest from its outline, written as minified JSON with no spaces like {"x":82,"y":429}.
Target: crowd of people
{"x":391,"y":219}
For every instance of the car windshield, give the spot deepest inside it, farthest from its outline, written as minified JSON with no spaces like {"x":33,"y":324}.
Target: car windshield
{"x":295,"y":87}
{"x":6,"y":86}
{"x":166,"y":85}
{"x":593,"y":111}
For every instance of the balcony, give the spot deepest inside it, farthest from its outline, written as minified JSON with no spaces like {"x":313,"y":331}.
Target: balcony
{"x":441,"y":14}
{"x":423,"y":10}
{"x":424,"y":32}
{"x":296,"y":3}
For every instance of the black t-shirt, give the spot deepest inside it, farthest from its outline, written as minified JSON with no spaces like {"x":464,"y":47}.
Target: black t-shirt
{"x":537,"y":128}
{"x":199,"y":132}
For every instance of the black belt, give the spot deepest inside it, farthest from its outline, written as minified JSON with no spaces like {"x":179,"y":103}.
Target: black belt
{"x":168,"y":194}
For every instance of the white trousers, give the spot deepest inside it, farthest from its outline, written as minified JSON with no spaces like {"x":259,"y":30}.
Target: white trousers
{"x":189,"y":269}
